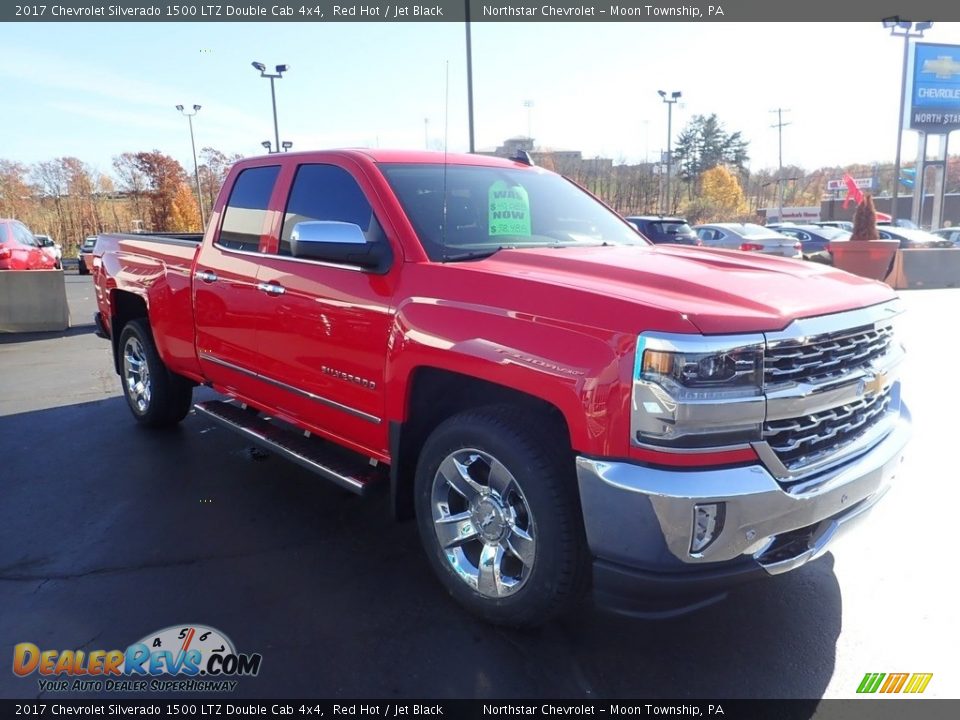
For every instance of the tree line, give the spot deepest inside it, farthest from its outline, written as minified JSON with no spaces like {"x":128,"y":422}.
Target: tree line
{"x":68,"y":199}
{"x":150,"y":191}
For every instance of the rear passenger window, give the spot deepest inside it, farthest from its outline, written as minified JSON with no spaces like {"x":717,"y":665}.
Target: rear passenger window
{"x":243,"y":220}
{"x":327,"y":192}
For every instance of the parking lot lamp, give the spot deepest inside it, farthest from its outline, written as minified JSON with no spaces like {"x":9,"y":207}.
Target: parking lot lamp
{"x":674,"y":96}
{"x":902,"y":28}
{"x":280,"y":70}
{"x":196,"y":168}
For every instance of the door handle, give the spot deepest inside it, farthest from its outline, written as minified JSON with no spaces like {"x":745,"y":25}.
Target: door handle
{"x":271,"y":288}
{"x":206,"y":276}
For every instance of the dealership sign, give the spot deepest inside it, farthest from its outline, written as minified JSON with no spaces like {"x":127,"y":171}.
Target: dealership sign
{"x":862,"y":183}
{"x":935,"y":92}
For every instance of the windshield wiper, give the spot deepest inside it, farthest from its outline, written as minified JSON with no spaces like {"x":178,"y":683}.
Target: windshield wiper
{"x":473,"y":254}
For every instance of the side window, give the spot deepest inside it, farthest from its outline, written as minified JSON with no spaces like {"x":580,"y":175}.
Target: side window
{"x":327,"y":192}
{"x":24,"y":236}
{"x":243,"y":219}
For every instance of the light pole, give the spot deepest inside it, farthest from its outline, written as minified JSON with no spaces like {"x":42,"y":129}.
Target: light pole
{"x":528,"y":104}
{"x":280,"y":70}
{"x":674,"y":96}
{"x":901,"y":28}
{"x":286,"y":144}
{"x":466,"y":7}
{"x":196,"y":168}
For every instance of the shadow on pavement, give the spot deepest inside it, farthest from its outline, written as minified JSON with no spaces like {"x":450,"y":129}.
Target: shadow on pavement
{"x":113,"y":532}
{"x":79,"y":329}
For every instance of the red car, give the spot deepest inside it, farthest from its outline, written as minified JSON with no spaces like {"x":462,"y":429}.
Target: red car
{"x":19,"y":250}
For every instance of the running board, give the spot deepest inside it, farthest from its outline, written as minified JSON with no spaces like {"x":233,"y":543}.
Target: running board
{"x":346,"y":468}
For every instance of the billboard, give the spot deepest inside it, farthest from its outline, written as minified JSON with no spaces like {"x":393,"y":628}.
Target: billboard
{"x":934,"y":76}
{"x":862,"y":183}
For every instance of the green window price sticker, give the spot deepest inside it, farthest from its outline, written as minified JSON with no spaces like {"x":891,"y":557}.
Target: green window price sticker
{"x":509,"y":210}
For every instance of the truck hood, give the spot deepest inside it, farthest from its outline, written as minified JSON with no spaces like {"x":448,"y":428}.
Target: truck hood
{"x":719,"y":291}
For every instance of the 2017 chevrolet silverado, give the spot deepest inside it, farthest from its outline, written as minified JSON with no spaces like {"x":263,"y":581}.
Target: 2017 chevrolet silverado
{"x":558,"y":403}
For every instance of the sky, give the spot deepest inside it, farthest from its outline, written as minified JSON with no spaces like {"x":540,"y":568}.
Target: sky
{"x":94,"y":90}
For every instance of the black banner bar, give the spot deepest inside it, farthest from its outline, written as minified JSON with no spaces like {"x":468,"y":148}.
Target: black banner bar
{"x":480,"y":11}
{"x":867,"y":708}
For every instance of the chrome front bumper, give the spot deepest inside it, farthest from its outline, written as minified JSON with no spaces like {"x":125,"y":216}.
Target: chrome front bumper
{"x":643,"y":518}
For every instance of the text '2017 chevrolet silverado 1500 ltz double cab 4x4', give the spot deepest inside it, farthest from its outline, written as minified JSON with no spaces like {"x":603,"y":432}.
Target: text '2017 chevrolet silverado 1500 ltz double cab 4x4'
{"x":559,"y":404}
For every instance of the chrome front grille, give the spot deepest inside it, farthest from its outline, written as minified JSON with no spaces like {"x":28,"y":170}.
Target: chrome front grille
{"x":801,"y":441}
{"x":825,"y":356}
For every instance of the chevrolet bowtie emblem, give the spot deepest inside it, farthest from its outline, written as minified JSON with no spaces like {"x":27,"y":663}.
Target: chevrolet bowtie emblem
{"x":875,"y":384}
{"x":943,"y":68}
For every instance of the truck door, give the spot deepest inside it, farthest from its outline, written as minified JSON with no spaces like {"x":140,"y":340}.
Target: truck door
{"x":227,"y":305}
{"x":324,"y":344}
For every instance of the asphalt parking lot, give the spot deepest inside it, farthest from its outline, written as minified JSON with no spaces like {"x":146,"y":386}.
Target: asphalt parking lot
{"x":109,"y":532}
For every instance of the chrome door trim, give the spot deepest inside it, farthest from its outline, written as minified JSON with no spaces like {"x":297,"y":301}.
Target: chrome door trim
{"x":290,"y":388}
{"x":286,"y":258}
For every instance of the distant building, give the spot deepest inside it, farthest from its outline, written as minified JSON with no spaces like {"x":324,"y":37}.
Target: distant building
{"x":567,"y":162}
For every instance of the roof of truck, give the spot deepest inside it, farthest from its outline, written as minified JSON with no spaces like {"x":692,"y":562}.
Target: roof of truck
{"x":413,"y":157}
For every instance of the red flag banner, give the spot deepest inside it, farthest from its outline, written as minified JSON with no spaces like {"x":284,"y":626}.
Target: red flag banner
{"x":853,"y":192}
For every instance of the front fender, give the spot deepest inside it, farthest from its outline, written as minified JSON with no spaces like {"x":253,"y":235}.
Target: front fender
{"x":582,"y":371}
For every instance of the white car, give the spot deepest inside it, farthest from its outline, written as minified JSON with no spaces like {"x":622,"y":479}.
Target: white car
{"x":51,"y":248}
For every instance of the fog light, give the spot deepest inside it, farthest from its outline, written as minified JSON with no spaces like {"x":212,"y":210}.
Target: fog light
{"x":707,"y":525}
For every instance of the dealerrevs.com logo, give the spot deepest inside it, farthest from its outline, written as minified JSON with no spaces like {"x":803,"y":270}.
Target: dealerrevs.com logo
{"x":180,"y":658}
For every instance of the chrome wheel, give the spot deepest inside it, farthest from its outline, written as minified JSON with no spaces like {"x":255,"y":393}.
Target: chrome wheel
{"x":483,"y":523}
{"x":136,"y":374}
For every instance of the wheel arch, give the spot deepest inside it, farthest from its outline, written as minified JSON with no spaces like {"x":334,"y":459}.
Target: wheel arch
{"x":126,"y":306}
{"x":436,"y":394}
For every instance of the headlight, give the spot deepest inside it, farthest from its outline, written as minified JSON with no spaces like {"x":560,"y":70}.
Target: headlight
{"x":738,"y":367}
{"x":693,"y":392}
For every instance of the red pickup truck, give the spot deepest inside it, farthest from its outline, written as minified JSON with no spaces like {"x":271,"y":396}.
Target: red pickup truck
{"x":559,"y":404}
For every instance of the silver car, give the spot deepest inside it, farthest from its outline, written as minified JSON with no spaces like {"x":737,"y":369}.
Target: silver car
{"x":749,"y":237}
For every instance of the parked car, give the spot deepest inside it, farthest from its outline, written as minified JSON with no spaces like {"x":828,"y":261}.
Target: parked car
{"x":19,"y":249}
{"x":51,"y":248}
{"x":559,"y":404}
{"x":841,"y":224}
{"x":910,"y":238}
{"x":952,"y":234}
{"x":899,"y":222}
{"x":661,"y":229}
{"x":814,"y":240}
{"x":749,"y":237}
{"x":85,"y":256}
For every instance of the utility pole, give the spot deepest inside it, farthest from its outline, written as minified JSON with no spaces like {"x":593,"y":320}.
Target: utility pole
{"x":780,"y":126}
{"x":466,"y":4}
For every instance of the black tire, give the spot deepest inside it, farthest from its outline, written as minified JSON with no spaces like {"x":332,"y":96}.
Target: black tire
{"x":549,"y":511}
{"x":81,"y":266}
{"x":167,"y":398}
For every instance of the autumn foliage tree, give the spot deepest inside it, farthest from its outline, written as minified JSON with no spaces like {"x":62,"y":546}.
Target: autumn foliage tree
{"x":184,"y":214}
{"x":720,"y":197}
{"x":213,"y":169}
{"x":163,"y":176}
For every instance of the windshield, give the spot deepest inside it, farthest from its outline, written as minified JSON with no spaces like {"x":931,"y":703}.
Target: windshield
{"x":89,"y":242}
{"x":489,"y":208}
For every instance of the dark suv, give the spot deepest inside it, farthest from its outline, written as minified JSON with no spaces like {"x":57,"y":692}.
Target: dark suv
{"x":660,"y":229}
